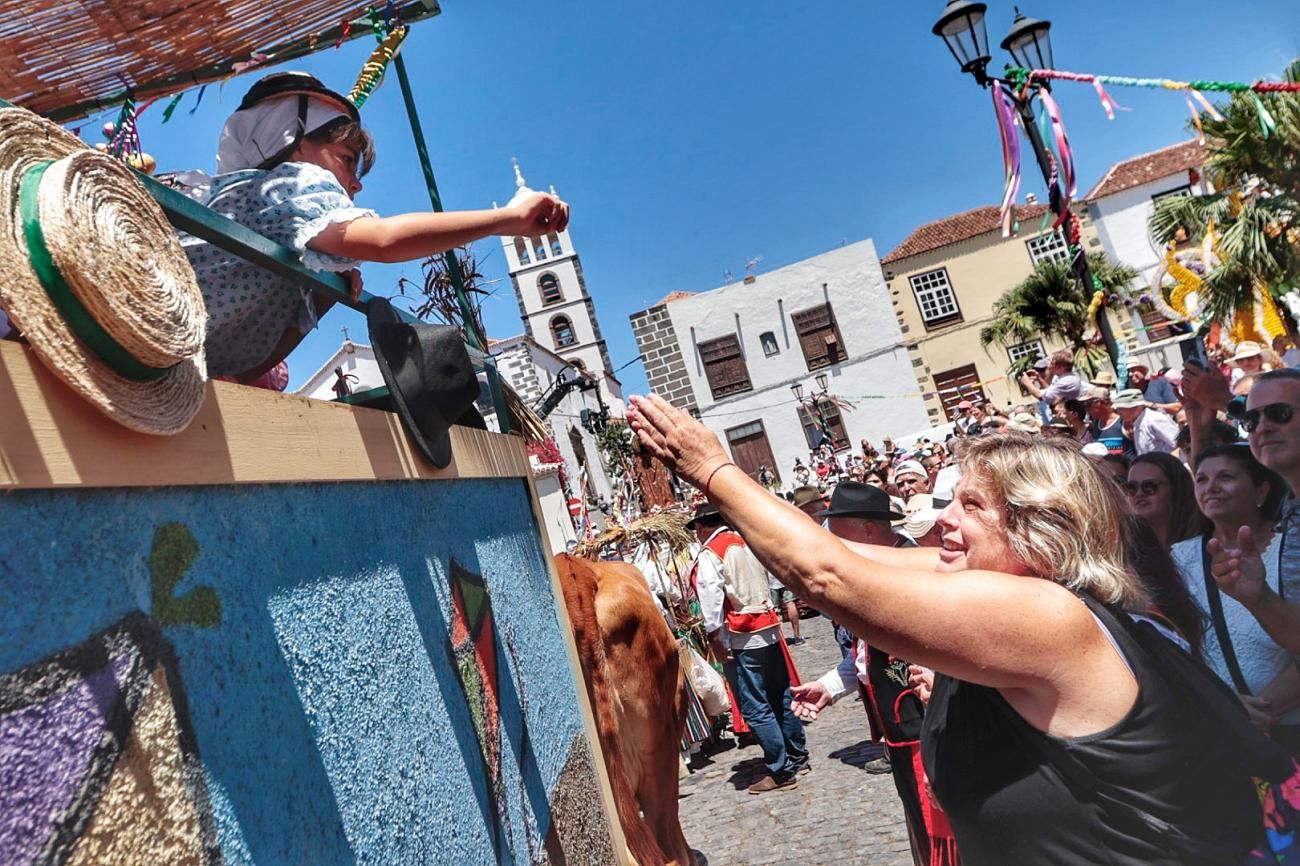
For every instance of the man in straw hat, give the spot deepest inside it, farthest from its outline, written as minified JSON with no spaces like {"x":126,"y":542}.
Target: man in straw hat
{"x":291,"y":160}
{"x":95,"y":280}
{"x":1158,"y":390}
{"x":738,"y":615}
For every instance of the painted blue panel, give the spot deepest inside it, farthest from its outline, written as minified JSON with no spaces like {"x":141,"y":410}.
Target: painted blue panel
{"x":329,"y":718}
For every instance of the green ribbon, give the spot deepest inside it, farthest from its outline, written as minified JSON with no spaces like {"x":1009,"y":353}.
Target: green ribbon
{"x":79,"y":319}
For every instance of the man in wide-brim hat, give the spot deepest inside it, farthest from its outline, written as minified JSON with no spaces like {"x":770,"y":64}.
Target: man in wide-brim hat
{"x":861,"y":512}
{"x":95,"y":280}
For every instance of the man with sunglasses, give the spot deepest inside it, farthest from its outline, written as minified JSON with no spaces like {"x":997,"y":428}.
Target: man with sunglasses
{"x":1270,"y":421}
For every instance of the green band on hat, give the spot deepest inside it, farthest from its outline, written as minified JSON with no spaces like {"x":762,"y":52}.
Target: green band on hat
{"x":83,"y":324}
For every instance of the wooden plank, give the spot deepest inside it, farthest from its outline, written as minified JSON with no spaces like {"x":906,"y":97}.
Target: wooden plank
{"x":50,"y":437}
{"x":584,"y":702}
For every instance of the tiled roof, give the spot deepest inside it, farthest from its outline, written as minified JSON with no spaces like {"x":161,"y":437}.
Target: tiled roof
{"x":1148,"y":167}
{"x":958,"y":227}
{"x":674,"y":296}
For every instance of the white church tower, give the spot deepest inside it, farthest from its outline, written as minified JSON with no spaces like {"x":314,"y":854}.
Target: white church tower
{"x":553,"y":302}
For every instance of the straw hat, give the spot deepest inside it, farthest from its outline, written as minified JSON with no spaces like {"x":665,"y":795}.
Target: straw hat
{"x":1247,"y":349}
{"x":127,"y":331}
{"x":920,"y":515}
{"x":1023,"y":422}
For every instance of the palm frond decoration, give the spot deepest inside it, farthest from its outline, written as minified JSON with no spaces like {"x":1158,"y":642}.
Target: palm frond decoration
{"x":1255,"y":205}
{"x":1048,"y":303}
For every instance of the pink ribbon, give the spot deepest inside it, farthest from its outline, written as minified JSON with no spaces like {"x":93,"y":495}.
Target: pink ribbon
{"x":1206,"y":104}
{"x":1010,"y":139}
{"x":1106,"y":102}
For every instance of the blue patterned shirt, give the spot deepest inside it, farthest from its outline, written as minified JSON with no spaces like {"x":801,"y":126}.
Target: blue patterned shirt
{"x":249,"y":308}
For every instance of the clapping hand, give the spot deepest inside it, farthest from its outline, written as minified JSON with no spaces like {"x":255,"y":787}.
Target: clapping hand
{"x":808,"y":700}
{"x":1239,"y":570}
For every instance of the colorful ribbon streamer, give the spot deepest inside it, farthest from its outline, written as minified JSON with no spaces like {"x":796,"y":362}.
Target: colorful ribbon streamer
{"x":1266,"y":122}
{"x":1070,"y":187}
{"x":1106,"y":102}
{"x":1196,"y":120}
{"x":1169,"y":84}
{"x":1010,"y":139}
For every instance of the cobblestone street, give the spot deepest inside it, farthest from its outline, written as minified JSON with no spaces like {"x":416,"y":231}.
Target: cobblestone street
{"x":838,"y":814}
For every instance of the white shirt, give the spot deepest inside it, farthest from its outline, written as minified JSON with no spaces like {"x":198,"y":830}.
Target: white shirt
{"x":711,"y":587}
{"x":1064,"y":387}
{"x":1154,"y":431}
{"x":838,"y":682}
{"x":1258,"y":655}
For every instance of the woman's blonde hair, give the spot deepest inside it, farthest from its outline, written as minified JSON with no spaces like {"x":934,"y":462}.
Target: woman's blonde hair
{"x":1063,"y":519}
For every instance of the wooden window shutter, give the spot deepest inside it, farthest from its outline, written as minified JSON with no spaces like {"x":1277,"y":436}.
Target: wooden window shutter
{"x":724,"y":366}
{"x":819,"y":336}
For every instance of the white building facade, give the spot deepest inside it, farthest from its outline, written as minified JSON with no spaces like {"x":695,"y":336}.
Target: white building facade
{"x":731,"y":355}
{"x":1122,"y":202}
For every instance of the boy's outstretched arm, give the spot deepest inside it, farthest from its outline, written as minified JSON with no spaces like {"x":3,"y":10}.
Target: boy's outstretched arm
{"x":412,"y":236}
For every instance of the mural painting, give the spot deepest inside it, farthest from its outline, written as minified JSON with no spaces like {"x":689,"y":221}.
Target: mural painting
{"x":255,"y":675}
{"x":97,"y":740}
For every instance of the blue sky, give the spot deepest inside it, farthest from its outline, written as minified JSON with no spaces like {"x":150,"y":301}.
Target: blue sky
{"x":690,"y":137}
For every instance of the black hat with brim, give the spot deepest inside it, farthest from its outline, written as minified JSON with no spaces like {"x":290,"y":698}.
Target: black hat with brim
{"x":429,"y":376}
{"x":703,"y":511}
{"x":855,"y":499}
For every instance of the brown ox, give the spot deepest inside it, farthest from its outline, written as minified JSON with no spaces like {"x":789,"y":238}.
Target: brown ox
{"x":629,"y":661}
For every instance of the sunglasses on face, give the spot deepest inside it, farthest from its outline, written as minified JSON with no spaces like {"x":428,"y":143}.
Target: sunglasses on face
{"x":1146,"y":488}
{"x":1278,"y":413}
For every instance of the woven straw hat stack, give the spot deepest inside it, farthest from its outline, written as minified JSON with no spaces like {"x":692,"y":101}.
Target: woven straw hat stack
{"x":95,"y":278}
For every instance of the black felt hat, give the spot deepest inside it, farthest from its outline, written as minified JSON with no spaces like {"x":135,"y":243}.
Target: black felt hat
{"x":702,"y":511}
{"x":429,"y":377}
{"x":855,"y":499}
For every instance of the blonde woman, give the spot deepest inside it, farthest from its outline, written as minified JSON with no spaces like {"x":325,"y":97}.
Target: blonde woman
{"x":1051,"y":735}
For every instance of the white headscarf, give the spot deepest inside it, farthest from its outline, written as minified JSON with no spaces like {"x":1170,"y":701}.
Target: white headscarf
{"x":255,"y":134}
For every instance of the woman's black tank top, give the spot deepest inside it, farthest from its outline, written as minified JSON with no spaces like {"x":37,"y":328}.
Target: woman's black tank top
{"x":1016,"y":795}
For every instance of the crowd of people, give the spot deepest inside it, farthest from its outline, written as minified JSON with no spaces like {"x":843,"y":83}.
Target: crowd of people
{"x":1076,"y":622}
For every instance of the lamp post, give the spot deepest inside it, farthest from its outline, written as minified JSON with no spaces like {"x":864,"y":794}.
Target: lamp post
{"x":962,"y":29}
{"x":816,"y":401}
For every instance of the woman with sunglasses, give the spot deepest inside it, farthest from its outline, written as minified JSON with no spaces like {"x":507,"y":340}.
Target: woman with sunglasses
{"x":1270,"y":420}
{"x":1234,"y":490}
{"x":1159,"y":488}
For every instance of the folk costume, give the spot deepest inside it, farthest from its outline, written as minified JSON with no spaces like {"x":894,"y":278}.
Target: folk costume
{"x":895,"y":715}
{"x":734,"y":600}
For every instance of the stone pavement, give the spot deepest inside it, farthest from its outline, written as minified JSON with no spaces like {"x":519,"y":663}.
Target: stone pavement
{"x":837,"y":816}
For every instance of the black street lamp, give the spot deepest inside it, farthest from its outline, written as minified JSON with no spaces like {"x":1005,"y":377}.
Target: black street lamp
{"x":816,"y":401}
{"x":1030,"y":46}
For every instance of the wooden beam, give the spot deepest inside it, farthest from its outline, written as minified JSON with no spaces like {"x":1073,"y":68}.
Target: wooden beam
{"x":50,"y":437}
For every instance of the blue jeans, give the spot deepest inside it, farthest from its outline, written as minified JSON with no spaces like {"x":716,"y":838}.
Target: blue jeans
{"x":764,"y":696}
